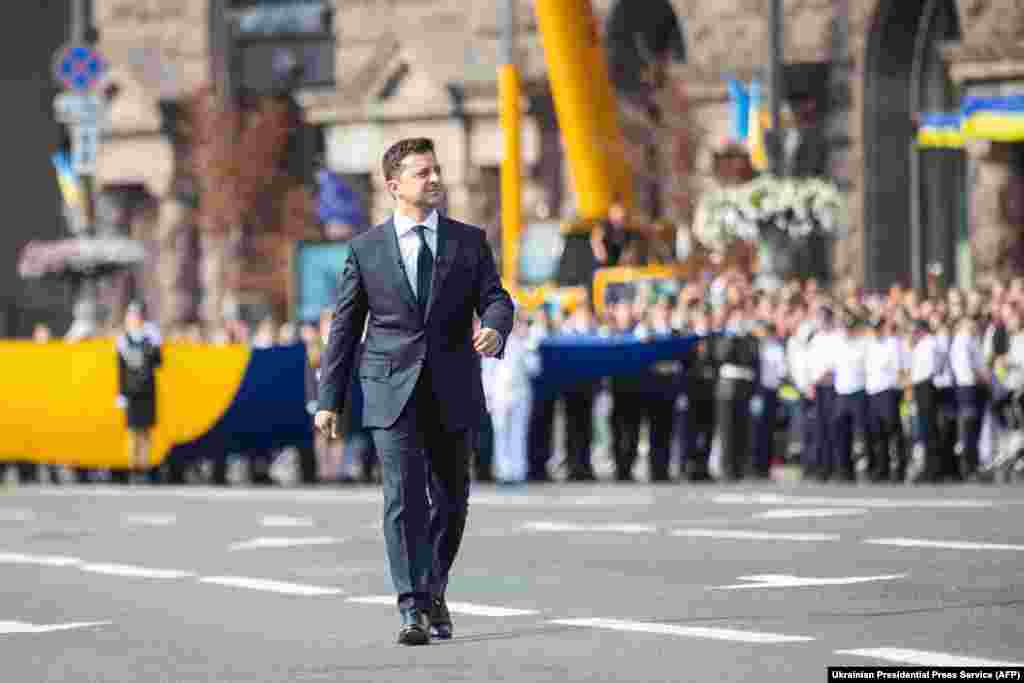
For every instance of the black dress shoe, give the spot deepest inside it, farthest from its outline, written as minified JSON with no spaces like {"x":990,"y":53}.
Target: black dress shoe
{"x":440,"y":619}
{"x":414,"y":628}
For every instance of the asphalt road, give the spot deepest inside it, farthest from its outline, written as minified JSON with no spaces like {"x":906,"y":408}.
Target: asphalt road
{"x":554,"y":583}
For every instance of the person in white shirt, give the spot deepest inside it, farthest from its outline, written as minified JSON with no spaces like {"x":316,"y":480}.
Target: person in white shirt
{"x":772,"y":357}
{"x":967,"y":361}
{"x":509,"y":397}
{"x":946,"y":415}
{"x":926,"y":362}
{"x":821,"y":372}
{"x":886,"y":362}
{"x":850,"y":412}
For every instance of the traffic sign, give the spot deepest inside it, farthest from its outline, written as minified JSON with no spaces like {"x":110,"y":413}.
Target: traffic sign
{"x":79,"y":67}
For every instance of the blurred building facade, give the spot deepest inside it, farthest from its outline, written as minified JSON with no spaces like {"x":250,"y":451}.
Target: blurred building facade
{"x":857,"y":73}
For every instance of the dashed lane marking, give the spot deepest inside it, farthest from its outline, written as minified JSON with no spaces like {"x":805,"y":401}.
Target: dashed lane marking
{"x":39,"y":560}
{"x":809,"y":513}
{"x":270,"y":542}
{"x":922,"y":657}
{"x":468,"y":608}
{"x":16,"y":515}
{"x":133,"y":571}
{"x":740,"y":535}
{"x":684,"y":631}
{"x":150,"y":520}
{"x":267,"y":585}
{"x":7,"y":627}
{"x":282,"y":521}
{"x":591,"y":528}
{"x":947,"y":545}
{"x":789,"y":581}
{"x":822,"y":501}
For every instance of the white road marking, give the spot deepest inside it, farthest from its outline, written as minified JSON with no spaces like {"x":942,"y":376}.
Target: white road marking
{"x":923,"y":657}
{"x":150,"y":520}
{"x":948,"y":545}
{"x":134,"y":571}
{"x":23,"y":627}
{"x":737,"y":534}
{"x":268,"y":585}
{"x":265,"y":542}
{"x":591,"y":528}
{"x":822,"y":501}
{"x":789,"y":581}
{"x":275,"y":521}
{"x":41,"y":560}
{"x":801,"y":513}
{"x":469,"y":608}
{"x":684,"y":631}
{"x":16,"y":515}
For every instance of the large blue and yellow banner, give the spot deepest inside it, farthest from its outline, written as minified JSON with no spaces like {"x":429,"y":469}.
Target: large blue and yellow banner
{"x":60,"y":401}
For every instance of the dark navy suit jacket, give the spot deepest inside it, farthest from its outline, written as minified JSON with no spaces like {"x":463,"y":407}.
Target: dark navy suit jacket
{"x":374,"y":291}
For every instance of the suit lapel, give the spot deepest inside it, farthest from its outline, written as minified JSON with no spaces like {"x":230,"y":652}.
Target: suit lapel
{"x":395,"y":257}
{"x":447,"y":245}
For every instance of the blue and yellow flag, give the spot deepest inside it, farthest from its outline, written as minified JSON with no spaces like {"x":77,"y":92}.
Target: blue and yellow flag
{"x":940,"y":131}
{"x":999,"y":118}
{"x":70,"y":189}
{"x":760,"y":121}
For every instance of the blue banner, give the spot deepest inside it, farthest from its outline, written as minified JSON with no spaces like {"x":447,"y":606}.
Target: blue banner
{"x":339,"y":203}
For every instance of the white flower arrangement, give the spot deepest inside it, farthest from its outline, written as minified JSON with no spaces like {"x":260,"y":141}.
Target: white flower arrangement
{"x":798,"y":207}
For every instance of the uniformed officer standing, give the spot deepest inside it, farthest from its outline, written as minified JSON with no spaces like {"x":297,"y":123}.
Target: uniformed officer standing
{"x":542,"y":407}
{"x":737,"y":378}
{"x":700,"y":377}
{"x":926,"y":361}
{"x":627,"y":409}
{"x":971,"y":377}
{"x":579,"y":403}
{"x":885,"y":361}
{"x":821,"y":364}
{"x":138,"y":355}
{"x":772,"y":358}
{"x":849,"y":415}
{"x":946,"y":415}
{"x":660,"y":391}
{"x":798,"y":350}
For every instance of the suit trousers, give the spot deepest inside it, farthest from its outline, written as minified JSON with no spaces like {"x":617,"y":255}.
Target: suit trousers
{"x":926,"y":399}
{"x":699,"y":431}
{"x":579,"y":428}
{"x":763,"y":427}
{"x":824,"y":407}
{"x":885,"y":432}
{"x":970,"y":402}
{"x":849,"y":417}
{"x":426,"y":496}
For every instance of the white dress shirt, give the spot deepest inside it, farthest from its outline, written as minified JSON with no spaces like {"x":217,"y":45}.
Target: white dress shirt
{"x":925,"y":359}
{"x":773,"y":363}
{"x":822,"y":357}
{"x":885,"y":359}
{"x":944,"y":375}
{"x":850,"y":364}
{"x":966,"y":360}
{"x":409,"y":242}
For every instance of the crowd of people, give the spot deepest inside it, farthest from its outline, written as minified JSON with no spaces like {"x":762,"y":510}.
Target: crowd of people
{"x":842,"y":384}
{"x":845,"y":384}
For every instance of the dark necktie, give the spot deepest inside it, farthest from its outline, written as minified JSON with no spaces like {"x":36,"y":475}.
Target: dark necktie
{"x":424,"y":270}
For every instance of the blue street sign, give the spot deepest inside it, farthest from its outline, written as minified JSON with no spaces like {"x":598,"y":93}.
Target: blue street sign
{"x":79,"y":67}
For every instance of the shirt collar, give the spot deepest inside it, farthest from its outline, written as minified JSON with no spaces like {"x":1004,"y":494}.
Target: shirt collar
{"x":404,"y":224}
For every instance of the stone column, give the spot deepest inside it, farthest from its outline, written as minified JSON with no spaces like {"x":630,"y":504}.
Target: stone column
{"x":997,"y":245}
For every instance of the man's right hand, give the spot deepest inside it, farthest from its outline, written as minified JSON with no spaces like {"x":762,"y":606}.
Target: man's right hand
{"x":326,"y":421}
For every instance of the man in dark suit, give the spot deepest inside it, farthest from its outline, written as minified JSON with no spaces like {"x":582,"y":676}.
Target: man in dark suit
{"x":415,"y":282}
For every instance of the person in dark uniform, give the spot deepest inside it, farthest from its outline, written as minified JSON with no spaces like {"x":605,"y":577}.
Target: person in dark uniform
{"x":772,"y":358}
{"x":138,"y":357}
{"x":579,"y":404}
{"x":849,"y":414}
{"x":885,"y":367}
{"x":700,"y":376}
{"x":821,"y":370}
{"x":737,"y":354}
{"x":540,"y":433}
{"x":927,"y":359}
{"x":660,"y":389}
{"x":627,"y":409}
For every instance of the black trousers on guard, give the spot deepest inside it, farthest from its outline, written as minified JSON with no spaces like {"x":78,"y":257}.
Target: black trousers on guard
{"x":419,"y":457}
{"x":732,"y":410}
{"x":849,"y":416}
{"x":885,"y":436}
{"x":970,"y":404}
{"x":926,"y":400}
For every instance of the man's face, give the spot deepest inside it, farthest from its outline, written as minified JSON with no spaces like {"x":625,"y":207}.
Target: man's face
{"x":419,"y":182}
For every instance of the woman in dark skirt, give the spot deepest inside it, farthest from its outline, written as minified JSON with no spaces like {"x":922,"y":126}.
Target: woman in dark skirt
{"x":138,"y":357}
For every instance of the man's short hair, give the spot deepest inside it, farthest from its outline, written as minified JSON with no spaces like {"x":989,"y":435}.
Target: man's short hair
{"x":396,"y":154}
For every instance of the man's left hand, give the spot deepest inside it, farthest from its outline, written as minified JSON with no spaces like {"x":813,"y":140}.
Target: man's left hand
{"x":487,"y":342}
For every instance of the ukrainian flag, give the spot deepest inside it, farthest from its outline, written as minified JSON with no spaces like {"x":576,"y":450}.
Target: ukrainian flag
{"x":940,"y":131}
{"x":70,"y":189}
{"x":760,"y":121}
{"x":999,"y":118}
